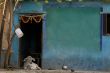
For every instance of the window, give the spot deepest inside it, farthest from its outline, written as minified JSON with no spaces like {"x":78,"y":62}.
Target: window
{"x":106,"y":24}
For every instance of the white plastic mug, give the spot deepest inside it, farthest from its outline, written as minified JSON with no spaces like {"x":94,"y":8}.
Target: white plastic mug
{"x":19,"y":33}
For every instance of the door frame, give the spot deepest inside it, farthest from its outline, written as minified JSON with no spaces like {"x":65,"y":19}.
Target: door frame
{"x":43,"y":36}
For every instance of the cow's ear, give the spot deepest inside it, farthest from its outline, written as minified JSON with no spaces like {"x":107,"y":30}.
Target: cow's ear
{"x":33,"y":59}
{"x":25,"y":59}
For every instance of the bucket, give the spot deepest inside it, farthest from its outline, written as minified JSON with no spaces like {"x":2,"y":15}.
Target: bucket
{"x":19,"y":33}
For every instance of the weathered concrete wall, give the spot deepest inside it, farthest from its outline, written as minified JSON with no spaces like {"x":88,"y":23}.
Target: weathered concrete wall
{"x":80,"y":59}
{"x":65,"y":43}
{"x":85,"y":60}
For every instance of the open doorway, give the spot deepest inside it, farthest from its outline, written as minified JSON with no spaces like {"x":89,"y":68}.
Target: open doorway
{"x":106,"y":24}
{"x":31,"y":42}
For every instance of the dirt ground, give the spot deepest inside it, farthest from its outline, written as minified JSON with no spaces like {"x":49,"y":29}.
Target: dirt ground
{"x":47,"y":71}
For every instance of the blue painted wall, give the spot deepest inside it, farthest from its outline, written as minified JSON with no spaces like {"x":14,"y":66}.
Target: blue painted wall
{"x":106,"y":8}
{"x":69,"y":36}
{"x":81,"y":60}
{"x":26,"y":7}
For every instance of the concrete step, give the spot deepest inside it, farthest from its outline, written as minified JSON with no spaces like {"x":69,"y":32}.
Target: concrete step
{"x":47,"y":71}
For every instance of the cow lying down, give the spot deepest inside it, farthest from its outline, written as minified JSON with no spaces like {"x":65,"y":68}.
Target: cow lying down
{"x":28,"y":64}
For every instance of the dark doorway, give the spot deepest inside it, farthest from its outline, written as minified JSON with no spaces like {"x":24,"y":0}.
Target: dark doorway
{"x":106,"y":24}
{"x":31,"y":42}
